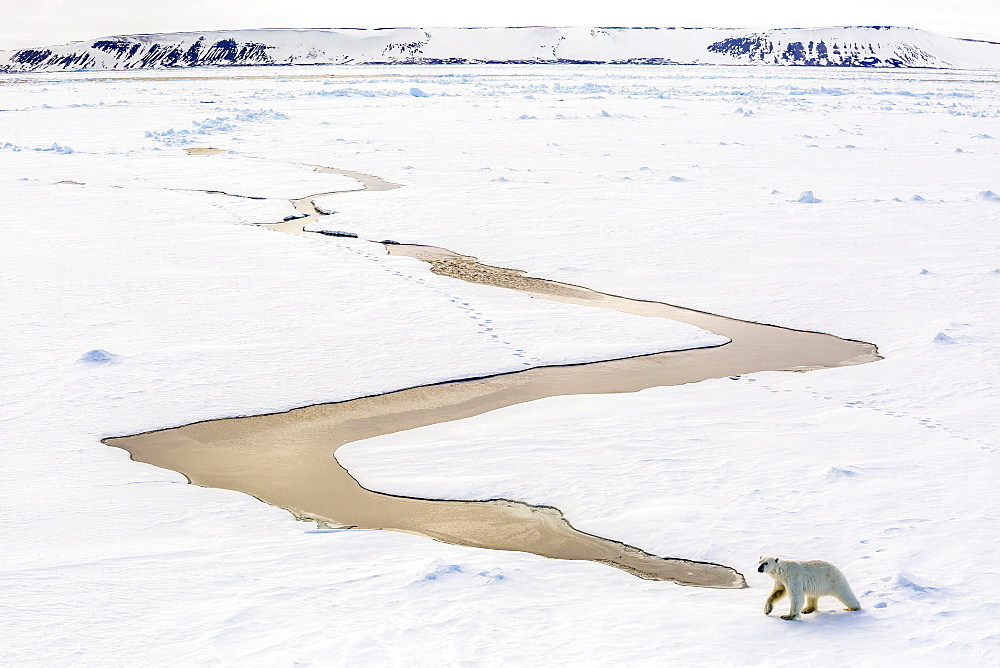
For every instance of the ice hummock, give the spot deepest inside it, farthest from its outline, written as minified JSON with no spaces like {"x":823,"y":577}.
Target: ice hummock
{"x":99,"y":356}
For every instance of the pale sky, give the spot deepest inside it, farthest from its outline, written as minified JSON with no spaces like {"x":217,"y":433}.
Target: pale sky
{"x":47,"y":22}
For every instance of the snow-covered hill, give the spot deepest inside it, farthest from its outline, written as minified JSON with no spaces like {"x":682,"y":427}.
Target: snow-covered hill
{"x":873,"y":46}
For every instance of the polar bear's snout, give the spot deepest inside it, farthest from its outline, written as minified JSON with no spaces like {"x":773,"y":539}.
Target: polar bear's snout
{"x":766,"y":562}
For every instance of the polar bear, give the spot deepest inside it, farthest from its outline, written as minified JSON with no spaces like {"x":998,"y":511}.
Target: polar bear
{"x":805,"y":579}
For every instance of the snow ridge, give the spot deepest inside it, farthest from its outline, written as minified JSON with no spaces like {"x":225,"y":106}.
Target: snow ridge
{"x":863,"y":46}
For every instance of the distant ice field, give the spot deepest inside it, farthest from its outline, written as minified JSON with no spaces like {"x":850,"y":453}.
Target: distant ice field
{"x":676,"y":184}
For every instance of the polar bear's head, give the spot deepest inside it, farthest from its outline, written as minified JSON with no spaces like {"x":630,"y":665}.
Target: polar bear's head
{"x":767,"y":565}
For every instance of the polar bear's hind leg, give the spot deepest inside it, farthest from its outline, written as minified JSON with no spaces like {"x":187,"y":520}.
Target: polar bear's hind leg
{"x":850,"y":601}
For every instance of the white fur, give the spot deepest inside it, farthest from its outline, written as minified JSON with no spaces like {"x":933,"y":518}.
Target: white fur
{"x":805,"y":582}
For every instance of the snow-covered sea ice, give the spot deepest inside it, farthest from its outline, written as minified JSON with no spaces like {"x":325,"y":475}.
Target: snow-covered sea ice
{"x":157,"y":260}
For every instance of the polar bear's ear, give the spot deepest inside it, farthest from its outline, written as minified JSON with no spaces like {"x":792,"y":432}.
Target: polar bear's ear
{"x":775,"y":560}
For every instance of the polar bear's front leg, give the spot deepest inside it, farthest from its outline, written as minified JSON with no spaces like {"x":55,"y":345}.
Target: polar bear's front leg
{"x":796,"y":594}
{"x":776,"y":595}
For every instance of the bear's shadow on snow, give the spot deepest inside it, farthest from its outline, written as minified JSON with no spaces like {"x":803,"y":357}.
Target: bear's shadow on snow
{"x":826,"y":619}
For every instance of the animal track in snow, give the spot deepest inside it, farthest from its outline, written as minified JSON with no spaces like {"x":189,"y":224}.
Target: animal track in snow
{"x":926,"y":422}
